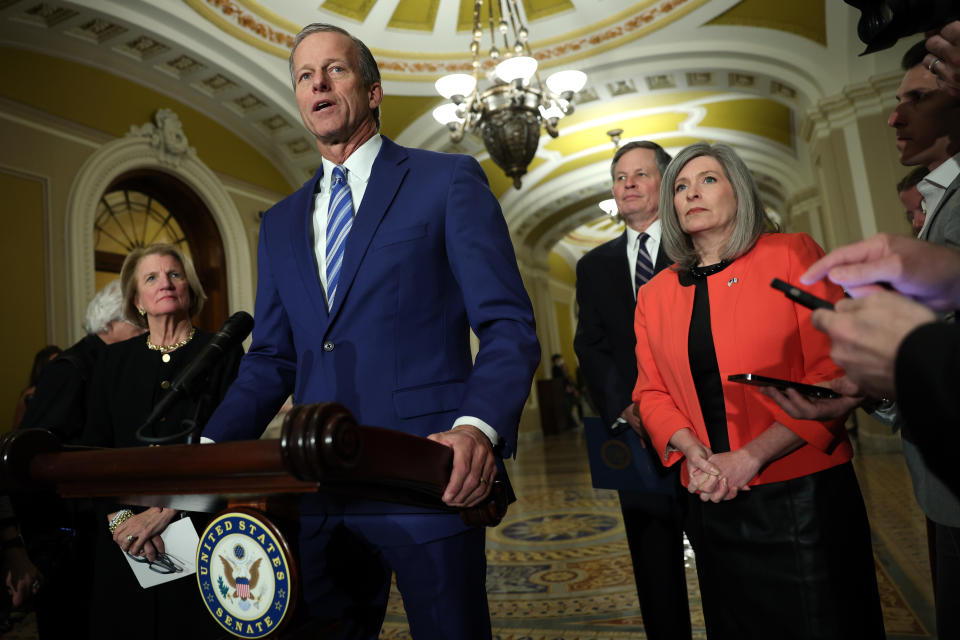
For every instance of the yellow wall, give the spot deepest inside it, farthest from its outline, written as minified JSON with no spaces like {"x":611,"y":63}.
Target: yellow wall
{"x":560,"y":269}
{"x":52,"y":139}
{"x":23,"y":323}
{"x":108,"y":103}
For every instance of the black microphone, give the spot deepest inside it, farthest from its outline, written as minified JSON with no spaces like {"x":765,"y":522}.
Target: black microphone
{"x":233,"y":332}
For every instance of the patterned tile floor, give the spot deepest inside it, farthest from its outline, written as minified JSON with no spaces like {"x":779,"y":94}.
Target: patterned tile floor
{"x":558,"y":566}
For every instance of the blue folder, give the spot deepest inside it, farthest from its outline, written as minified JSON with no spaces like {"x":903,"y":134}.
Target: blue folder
{"x":622,"y":462}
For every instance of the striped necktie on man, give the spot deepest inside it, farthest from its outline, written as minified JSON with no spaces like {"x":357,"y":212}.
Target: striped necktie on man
{"x":339,"y":223}
{"x":644,"y":270}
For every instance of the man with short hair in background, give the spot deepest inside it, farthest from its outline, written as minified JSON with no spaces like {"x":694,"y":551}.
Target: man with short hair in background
{"x":607,"y":281}
{"x":927,"y":121}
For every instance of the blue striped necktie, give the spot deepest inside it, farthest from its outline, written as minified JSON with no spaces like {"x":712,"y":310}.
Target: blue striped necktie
{"x":644,"y":270}
{"x":339,"y":222}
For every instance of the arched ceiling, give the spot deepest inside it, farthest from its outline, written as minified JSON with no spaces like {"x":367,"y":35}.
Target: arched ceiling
{"x":676,"y":71}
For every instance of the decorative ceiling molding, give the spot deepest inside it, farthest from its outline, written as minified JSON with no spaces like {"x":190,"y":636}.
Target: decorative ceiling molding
{"x":872,"y":97}
{"x":129,"y":50}
{"x":258,"y":27}
{"x":227,"y":60}
{"x":416,"y":67}
{"x":805,"y":18}
{"x":353,"y":9}
{"x":230,"y":17}
{"x":415,"y":15}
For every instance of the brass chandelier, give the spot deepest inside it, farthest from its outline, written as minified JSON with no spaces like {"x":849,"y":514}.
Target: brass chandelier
{"x":507,"y":114}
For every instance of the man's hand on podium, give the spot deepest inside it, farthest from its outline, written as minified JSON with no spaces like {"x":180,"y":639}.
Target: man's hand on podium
{"x":474,"y":466}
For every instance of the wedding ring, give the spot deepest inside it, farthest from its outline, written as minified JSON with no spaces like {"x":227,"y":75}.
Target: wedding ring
{"x":933,"y":64}
{"x":483,"y":480}
{"x":131,"y":538}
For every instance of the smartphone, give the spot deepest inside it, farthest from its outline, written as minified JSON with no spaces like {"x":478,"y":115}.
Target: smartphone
{"x":800,"y":296}
{"x":763,"y":381}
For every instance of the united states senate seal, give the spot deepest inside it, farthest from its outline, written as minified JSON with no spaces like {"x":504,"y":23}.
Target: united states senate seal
{"x":243,"y":570}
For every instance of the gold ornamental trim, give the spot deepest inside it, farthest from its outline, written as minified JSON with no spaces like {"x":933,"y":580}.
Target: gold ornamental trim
{"x":247,"y":21}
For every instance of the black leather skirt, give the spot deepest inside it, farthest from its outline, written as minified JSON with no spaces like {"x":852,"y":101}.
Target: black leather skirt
{"x":790,"y":559}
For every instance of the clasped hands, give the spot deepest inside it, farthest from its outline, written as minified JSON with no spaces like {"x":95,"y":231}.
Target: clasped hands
{"x":139,"y":535}
{"x":717,"y":477}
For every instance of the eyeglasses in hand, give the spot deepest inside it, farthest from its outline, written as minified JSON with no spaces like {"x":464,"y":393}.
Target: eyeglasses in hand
{"x":165,"y":563}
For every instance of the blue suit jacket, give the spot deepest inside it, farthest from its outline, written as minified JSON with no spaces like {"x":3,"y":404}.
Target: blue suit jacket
{"x":429,"y":257}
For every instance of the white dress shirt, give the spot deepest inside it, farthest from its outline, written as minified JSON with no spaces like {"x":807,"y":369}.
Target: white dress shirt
{"x":633,"y":247}
{"x":359,"y":165}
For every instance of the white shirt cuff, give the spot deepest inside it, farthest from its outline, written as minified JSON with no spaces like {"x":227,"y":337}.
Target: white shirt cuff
{"x":206,"y":440}
{"x":487,"y":430}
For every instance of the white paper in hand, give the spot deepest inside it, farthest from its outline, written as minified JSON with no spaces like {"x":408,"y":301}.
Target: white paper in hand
{"x":180,"y":540}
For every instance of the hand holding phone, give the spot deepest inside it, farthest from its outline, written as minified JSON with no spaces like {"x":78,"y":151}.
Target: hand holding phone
{"x":800,"y":296}
{"x":763,"y":381}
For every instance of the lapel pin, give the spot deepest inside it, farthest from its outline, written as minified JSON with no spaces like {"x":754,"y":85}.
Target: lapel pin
{"x":732,"y":281}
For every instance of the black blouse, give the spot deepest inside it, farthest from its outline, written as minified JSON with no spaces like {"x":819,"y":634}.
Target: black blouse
{"x":130,"y":379}
{"x":703,"y":357}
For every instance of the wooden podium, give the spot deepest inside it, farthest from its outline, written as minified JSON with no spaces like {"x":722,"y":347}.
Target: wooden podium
{"x":248,"y":485}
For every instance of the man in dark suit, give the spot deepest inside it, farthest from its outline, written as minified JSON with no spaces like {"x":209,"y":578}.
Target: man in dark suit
{"x":607,"y":281}
{"x":373,"y":310}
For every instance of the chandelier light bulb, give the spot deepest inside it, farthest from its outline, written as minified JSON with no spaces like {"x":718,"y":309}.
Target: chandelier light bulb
{"x":570,"y":80}
{"x":553,"y":111}
{"x":455,"y":84}
{"x":609,"y":206}
{"x":446,"y":113}
{"x":507,"y":113}
{"x":517,"y":68}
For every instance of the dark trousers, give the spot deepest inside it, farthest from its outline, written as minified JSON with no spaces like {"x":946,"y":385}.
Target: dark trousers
{"x":791,"y":560}
{"x":346,"y":582}
{"x":653,"y":523}
{"x":947,"y":577}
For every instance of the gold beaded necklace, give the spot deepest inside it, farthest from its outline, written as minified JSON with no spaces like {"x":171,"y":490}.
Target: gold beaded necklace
{"x":167,"y":348}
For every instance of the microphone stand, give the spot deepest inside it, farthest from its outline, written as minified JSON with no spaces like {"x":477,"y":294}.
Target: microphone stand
{"x":192,"y":379}
{"x":191,"y":426}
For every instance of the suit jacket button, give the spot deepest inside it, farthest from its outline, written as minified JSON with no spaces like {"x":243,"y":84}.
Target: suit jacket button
{"x":328,"y":346}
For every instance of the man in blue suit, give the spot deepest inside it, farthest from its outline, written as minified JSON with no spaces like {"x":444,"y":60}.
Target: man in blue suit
{"x":373,"y":310}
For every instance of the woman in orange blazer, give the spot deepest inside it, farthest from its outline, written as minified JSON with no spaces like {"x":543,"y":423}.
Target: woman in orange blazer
{"x":776,"y":517}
